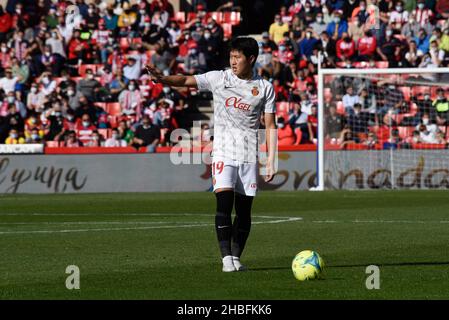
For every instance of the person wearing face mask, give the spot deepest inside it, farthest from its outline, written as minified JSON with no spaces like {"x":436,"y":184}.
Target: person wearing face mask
{"x":422,"y":41}
{"x":85,"y":129}
{"x":146,"y":135}
{"x":115,"y":140}
{"x":366,"y":46}
{"x":286,"y":137}
{"x":318,"y":26}
{"x":307,"y":44}
{"x":412,"y":27}
{"x":441,"y":107}
{"x":338,"y":26}
{"x":101,"y":36}
{"x":11,"y":100}
{"x":195,"y":61}
{"x":14,"y":138}
{"x":34,"y":138}
{"x":110,"y":19}
{"x":35,"y":99}
{"x":33,"y":124}
{"x":8,"y":82}
{"x":345,"y":47}
{"x":130,"y":99}
{"x":399,"y":16}
{"x":89,"y":86}
{"x":390,"y":48}
{"x":422,"y":13}
{"x":277,"y":29}
{"x":48,"y":60}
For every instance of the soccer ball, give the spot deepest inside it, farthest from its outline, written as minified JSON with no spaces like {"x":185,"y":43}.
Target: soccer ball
{"x":307,"y":265}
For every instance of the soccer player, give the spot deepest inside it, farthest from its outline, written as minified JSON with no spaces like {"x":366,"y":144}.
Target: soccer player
{"x":240,"y":97}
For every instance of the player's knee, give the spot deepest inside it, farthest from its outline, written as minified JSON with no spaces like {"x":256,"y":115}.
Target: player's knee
{"x":225,"y":202}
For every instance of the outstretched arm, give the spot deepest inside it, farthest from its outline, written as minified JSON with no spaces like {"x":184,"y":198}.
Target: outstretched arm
{"x":171,"y":81}
{"x":271,"y":136}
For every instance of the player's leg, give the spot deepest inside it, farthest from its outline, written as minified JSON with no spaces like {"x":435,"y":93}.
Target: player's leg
{"x":245,"y":190}
{"x":224,"y":176}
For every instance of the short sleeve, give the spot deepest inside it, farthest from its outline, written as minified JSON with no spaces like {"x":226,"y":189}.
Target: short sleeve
{"x":270,"y":105}
{"x":208,"y":81}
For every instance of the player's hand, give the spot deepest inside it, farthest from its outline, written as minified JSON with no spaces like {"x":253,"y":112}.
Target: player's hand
{"x":155,"y":74}
{"x":269,"y":173}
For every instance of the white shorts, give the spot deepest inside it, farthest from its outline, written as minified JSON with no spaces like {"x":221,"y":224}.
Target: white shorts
{"x":242,"y":177}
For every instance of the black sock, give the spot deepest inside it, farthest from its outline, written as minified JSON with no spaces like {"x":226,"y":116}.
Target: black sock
{"x":242,"y":223}
{"x":223,"y":221}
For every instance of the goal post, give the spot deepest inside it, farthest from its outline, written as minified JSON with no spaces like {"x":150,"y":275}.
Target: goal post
{"x":384,"y":141}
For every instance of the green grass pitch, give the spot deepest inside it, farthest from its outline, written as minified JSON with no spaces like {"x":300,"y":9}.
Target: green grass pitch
{"x":163,"y":246}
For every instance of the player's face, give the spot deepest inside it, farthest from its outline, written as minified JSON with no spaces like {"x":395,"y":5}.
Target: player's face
{"x":240,"y":65}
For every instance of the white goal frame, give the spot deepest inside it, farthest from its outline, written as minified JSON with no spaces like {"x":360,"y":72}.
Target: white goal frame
{"x":351,"y":72}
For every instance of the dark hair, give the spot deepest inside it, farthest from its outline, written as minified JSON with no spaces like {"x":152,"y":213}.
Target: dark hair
{"x":248,"y":46}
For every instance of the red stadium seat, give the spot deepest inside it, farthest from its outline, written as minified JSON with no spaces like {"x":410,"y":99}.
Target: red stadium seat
{"x":405,"y":132}
{"x":382,"y":64}
{"x":417,"y":90}
{"x":52,"y":144}
{"x":124,"y":43}
{"x":227,"y":30}
{"x":84,"y":67}
{"x":407,"y":92}
{"x":232,"y":17}
{"x":114,"y":108}
{"x":104,"y":133}
{"x":101,"y":105}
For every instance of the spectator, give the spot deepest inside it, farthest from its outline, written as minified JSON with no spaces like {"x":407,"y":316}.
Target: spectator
{"x":366,"y":46}
{"x":318,"y":26}
{"x":412,"y":57}
{"x":337,"y":27}
{"x":96,"y":140}
{"x":12,"y":101}
{"x":34,"y":137}
{"x":350,"y":99}
{"x":130,"y":99}
{"x":35,"y":99}
{"x":356,"y":29}
{"x":358,"y":123}
{"x":277,"y":29}
{"x":423,"y":14}
{"x":146,"y":135}
{"x":399,"y":16}
{"x":48,"y":84}
{"x":441,"y":106}
{"x":72,"y":141}
{"x":307,"y":45}
{"x":89,"y":86}
{"x":125,"y":133}
{"x":14,"y":138}
{"x":85,"y":129}
{"x":8,"y":83}
{"x":334,"y":123}
{"x":195,"y":62}
{"x":5,"y":24}
{"x":115,"y":140}
{"x":345,"y":47}
{"x":162,"y":59}
{"x":298,"y":119}
{"x":286,"y":137}
{"x":422,"y":42}
{"x":389,"y":48}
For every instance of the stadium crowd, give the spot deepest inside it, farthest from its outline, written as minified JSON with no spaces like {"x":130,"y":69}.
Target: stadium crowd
{"x":69,"y":79}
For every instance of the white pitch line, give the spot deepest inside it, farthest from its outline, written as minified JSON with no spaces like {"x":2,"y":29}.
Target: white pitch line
{"x":381,"y":221}
{"x":284,"y":219}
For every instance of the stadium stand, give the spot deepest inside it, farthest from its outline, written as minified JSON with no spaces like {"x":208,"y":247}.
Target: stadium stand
{"x":115,"y":39}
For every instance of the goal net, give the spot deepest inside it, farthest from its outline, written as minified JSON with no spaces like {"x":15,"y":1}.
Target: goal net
{"x":383,"y":129}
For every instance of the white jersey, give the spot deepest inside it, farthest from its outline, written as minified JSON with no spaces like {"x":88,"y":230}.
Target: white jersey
{"x":238,"y":105}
